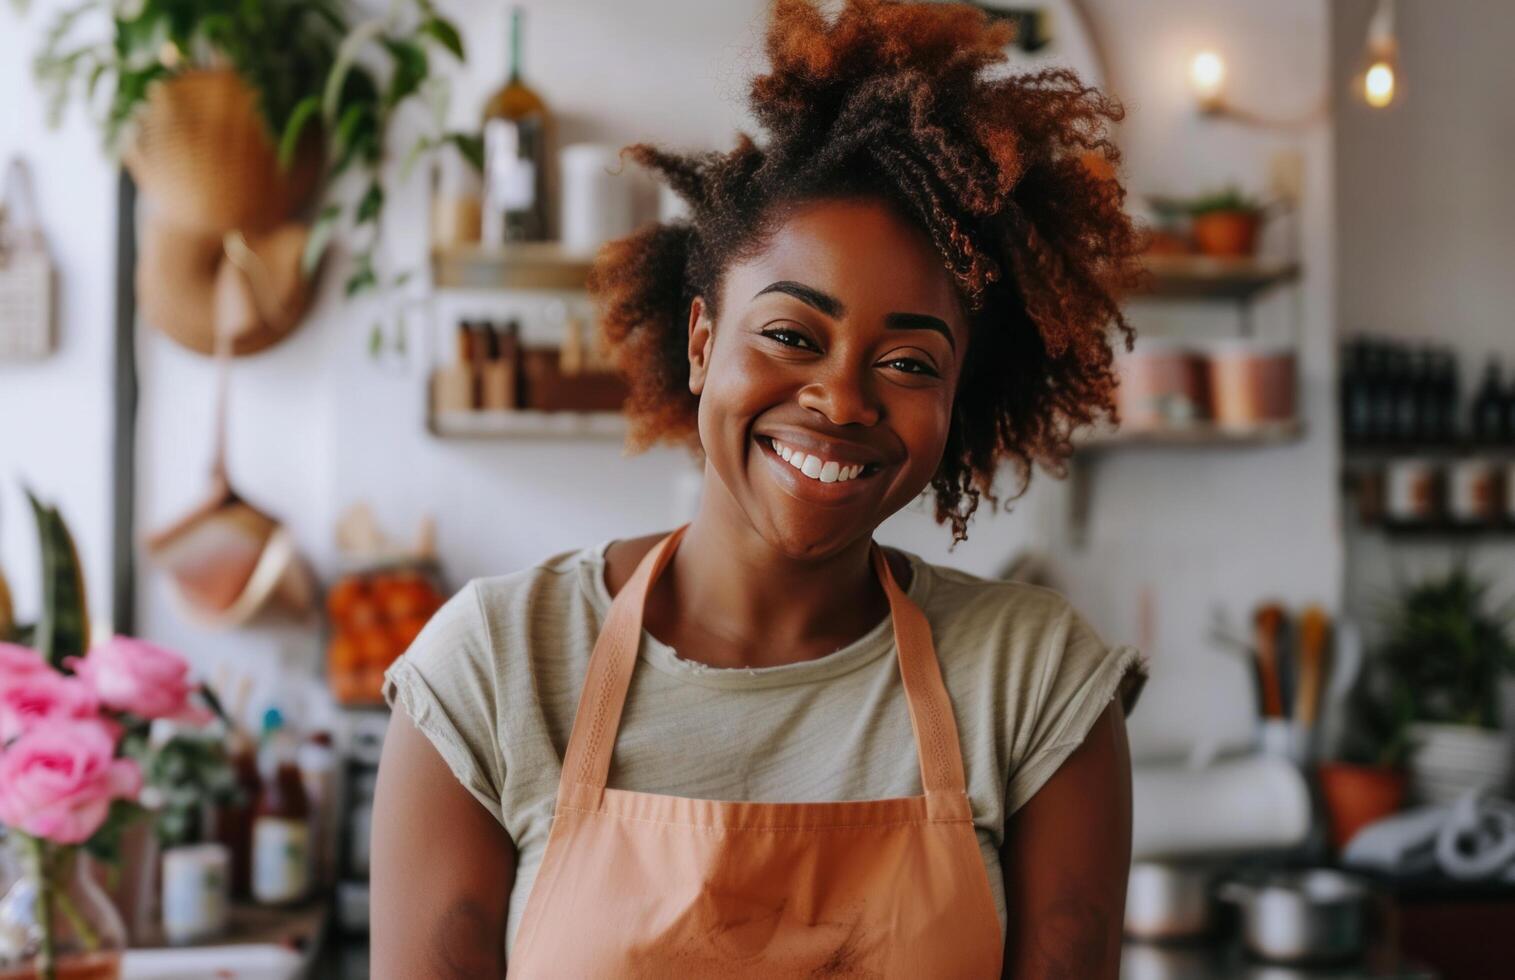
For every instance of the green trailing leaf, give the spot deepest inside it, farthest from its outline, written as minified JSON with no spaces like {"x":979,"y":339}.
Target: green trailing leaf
{"x":370,"y":203}
{"x":320,"y":238}
{"x":347,"y":56}
{"x":418,"y":149}
{"x":363,"y":276}
{"x":409,"y":70}
{"x":376,"y":340}
{"x":471,"y":145}
{"x":62,"y":629}
{"x":304,"y":112}
{"x":445,"y":34}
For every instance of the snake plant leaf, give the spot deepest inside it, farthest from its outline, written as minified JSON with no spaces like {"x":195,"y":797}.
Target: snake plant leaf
{"x":63,"y":627}
{"x":7,"y":611}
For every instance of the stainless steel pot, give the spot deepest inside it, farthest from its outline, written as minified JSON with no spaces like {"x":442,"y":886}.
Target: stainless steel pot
{"x":1169,"y":900}
{"x":1314,"y":916}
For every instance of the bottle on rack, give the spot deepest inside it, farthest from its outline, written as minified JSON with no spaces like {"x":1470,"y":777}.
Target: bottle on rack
{"x":516,"y":124}
{"x":1356,"y":408}
{"x":1487,"y":417}
{"x":1448,"y":397}
{"x":1407,"y":401}
{"x":281,"y":822}
{"x":1379,"y":373}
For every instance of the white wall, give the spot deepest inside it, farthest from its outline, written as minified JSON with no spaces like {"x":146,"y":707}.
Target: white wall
{"x":1223,"y":529}
{"x":1427,"y":225}
{"x":55,"y":415}
{"x":317,"y":426}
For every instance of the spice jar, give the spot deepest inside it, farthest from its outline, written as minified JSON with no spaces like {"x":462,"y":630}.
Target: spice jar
{"x":1162,"y":385}
{"x":1251,"y":382}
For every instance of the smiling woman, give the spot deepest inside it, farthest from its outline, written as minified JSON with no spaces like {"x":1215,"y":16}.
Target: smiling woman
{"x":761,"y":744}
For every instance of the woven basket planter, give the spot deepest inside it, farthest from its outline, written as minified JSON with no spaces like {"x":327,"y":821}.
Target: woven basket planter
{"x":201,"y":150}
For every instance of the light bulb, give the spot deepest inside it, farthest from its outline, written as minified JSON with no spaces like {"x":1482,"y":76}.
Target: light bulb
{"x":1207,"y":76}
{"x":1378,"y":84}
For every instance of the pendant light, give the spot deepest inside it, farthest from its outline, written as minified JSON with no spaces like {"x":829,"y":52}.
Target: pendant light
{"x":1378,"y":85}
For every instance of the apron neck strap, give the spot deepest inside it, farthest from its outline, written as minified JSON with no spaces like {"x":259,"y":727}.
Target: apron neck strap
{"x":592,"y":740}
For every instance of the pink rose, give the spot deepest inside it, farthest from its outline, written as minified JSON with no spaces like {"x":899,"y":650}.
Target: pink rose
{"x":17,"y":662}
{"x":42,"y":695}
{"x":57,"y":780}
{"x":136,"y":676}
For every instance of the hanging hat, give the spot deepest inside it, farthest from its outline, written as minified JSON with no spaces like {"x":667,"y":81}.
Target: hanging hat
{"x":189,"y":284}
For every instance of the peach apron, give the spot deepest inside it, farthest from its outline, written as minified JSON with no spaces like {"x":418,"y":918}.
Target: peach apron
{"x":642,"y":885}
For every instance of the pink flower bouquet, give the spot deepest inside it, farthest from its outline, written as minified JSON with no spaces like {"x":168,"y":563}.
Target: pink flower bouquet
{"x":66,"y":747}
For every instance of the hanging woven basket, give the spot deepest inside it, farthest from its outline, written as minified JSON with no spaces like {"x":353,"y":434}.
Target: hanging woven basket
{"x":201,"y":150}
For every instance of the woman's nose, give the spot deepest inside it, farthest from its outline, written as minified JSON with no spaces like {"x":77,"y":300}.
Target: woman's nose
{"x":844,"y":395}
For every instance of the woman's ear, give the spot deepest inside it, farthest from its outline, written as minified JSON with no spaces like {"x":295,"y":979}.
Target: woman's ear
{"x":701,"y":339}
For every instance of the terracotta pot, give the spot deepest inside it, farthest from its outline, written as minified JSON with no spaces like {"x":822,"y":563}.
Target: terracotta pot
{"x":1226,"y":234}
{"x":1359,"y":795}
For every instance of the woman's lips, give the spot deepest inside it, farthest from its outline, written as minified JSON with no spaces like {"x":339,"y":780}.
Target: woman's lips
{"x":815,"y":489}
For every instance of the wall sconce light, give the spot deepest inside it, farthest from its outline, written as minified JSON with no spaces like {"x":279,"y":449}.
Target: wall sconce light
{"x":1379,"y":81}
{"x":1207,"y":81}
{"x":1207,"y":78}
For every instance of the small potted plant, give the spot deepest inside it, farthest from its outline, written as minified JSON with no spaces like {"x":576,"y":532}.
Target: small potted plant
{"x":1450,"y":648}
{"x":1366,"y":782}
{"x":1221,"y":224}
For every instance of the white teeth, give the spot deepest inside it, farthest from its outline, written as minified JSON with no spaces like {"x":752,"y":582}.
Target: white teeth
{"x":826,"y":471}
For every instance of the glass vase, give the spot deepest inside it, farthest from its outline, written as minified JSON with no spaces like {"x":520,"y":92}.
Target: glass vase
{"x":55,"y":921}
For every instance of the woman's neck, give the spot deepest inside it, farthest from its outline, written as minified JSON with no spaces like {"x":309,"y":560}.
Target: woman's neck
{"x":730,"y":599}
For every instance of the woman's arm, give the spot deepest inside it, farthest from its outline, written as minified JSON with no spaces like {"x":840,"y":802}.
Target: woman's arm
{"x":442,"y":868}
{"x":1066,"y":857}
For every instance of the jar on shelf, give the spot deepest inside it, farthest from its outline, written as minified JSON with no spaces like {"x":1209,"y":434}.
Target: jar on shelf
{"x":1251,"y":381}
{"x":1161,"y":386}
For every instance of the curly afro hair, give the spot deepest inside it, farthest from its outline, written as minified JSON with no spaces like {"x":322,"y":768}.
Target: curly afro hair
{"x":1011,"y":176}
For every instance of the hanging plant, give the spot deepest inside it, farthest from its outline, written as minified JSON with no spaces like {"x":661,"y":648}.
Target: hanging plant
{"x":325,"y":88}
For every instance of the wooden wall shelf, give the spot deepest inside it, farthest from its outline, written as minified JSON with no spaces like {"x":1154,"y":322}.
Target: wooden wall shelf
{"x":1199,"y":435}
{"x":528,"y":424}
{"x":519,"y":265}
{"x":1201,"y":277}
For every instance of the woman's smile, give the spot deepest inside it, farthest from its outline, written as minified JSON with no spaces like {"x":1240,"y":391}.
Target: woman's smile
{"x":823,"y":475}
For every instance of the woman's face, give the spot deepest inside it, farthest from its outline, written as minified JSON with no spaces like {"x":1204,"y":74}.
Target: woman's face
{"x":838,"y":345}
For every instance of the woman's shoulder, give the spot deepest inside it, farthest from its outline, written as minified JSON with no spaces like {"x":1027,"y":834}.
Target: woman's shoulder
{"x":953,"y":597}
{"x":1028,"y":636}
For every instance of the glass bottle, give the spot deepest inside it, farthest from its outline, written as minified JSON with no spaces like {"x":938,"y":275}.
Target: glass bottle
{"x":281,"y":868}
{"x":516,"y":124}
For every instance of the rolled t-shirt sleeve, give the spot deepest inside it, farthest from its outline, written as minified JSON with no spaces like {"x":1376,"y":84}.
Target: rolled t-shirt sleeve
{"x":445,"y":684}
{"x":1074,"y":678}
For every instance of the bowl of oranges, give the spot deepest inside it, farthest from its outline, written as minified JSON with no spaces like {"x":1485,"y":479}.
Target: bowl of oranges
{"x":375,"y":614}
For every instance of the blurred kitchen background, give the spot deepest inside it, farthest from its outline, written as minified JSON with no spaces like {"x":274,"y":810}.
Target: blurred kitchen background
{"x":1307,"y":520}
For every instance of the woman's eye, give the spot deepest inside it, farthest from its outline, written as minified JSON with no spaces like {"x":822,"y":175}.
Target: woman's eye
{"x":911,"y":365}
{"x":789,"y":338}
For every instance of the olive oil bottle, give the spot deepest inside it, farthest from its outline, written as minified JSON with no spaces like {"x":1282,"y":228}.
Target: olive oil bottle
{"x":516,"y":129}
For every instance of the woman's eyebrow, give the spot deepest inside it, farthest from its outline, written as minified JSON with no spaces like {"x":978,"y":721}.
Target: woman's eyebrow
{"x":920,"y":321}
{"x":834,"y":308}
{"x":809,"y":295}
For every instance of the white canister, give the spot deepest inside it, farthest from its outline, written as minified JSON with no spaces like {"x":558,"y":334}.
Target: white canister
{"x":1473,"y":491}
{"x":1410,"y":490}
{"x":195,"y":883}
{"x":598,"y":196}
